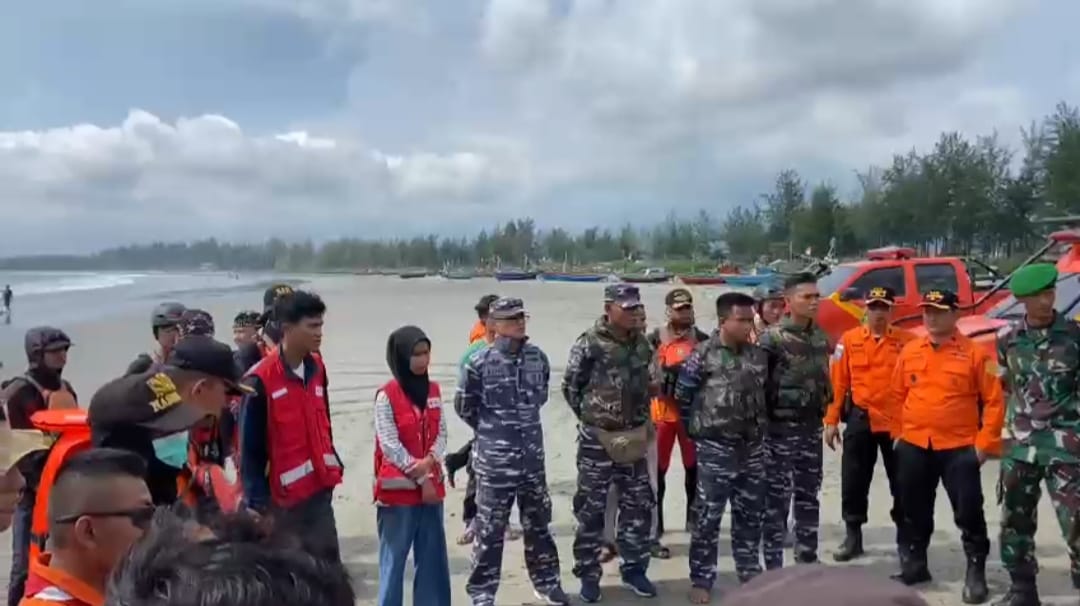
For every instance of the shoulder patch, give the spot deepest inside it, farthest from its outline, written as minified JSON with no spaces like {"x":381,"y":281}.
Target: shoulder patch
{"x":838,"y":352}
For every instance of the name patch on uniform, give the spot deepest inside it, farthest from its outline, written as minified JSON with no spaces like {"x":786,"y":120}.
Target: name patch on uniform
{"x":164,"y":390}
{"x":434,"y":403}
{"x":279,"y":393}
{"x":838,"y":352}
{"x":318,"y":391}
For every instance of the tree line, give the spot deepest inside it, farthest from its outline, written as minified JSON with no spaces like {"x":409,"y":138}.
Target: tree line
{"x":963,"y":196}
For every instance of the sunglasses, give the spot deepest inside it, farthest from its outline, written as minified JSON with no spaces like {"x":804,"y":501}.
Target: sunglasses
{"x":140,"y":518}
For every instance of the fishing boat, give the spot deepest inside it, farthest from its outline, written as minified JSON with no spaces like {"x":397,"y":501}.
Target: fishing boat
{"x":758,"y":277}
{"x":703,"y":279}
{"x":555,"y":276}
{"x":409,"y":274}
{"x":653,"y":275}
{"x":458,"y":274}
{"x":514,"y":275}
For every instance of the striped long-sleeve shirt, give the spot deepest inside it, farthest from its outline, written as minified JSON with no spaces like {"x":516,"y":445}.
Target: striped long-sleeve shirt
{"x":389,"y":440}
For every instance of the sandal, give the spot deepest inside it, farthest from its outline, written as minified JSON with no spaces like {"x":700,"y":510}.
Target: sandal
{"x":660,"y":552}
{"x":513,"y":532}
{"x":467,"y":537}
{"x":608,"y":553}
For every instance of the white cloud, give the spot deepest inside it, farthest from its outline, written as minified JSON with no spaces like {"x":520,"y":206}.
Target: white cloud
{"x":482,"y":109}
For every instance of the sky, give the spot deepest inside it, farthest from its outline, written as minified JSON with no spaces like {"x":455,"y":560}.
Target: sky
{"x":133,"y":121}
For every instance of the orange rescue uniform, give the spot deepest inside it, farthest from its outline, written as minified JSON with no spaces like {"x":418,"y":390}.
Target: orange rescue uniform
{"x":863,"y":366}
{"x":938,"y":392}
{"x":48,"y":586}
{"x":478,"y":332}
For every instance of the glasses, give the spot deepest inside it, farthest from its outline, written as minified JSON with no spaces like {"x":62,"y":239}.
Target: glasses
{"x":140,"y":518}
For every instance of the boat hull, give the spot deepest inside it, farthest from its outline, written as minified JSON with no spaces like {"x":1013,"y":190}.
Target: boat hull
{"x":702,"y":279}
{"x":556,"y":277}
{"x":514,"y":276}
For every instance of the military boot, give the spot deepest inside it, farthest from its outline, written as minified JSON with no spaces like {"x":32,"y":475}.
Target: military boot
{"x":661,"y":488}
{"x":690,"y":484}
{"x":852,"y":546}
{"x":1022,"y":592}
{"x":975,"y":590}
{"x":913,"y":568}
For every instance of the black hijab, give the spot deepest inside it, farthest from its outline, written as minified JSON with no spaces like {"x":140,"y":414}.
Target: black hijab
{"x":399,"y":351}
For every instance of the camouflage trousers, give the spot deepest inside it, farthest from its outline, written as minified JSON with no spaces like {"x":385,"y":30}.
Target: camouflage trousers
{"x":494,"y":498}
{"x":1019,"y":492}
{"x":793,"y":466}
{"x":596,"y":474}
{"x":730,"y":469}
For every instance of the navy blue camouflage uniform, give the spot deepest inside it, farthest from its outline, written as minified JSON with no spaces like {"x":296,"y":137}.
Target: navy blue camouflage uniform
{"x":799,"y":365}
{"x":722,"y":394}
{"x":607,"y":385}
{"x":499,"y":396}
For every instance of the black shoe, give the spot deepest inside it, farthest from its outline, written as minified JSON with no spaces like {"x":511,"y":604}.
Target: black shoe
{"x":852,"y":546}
{"x":913,"y":570}
{"x":661,"y":488}
{"x":975,"y":590}
{"x":806,"y":558}
{"x":1076,"y":580}
{"x":1022,"y":592}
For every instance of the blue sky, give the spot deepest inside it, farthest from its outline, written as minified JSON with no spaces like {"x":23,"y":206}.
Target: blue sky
{"x":133,"y":121}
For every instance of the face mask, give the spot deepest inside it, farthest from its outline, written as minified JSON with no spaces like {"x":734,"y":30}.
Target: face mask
{"x":172,"y":449}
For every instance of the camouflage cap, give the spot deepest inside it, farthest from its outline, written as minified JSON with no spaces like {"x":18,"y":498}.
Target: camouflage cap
{"x":196,"y":322}
{"x":626,"y":296}
{"x":507,"y":308}
{"x":817,"y":584}
{"x":679,"y":297}
{"x":1033,"y":279}
{"x":940,"y":299}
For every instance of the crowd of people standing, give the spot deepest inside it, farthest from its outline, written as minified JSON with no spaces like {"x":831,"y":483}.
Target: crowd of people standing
{"x":201,"y":461}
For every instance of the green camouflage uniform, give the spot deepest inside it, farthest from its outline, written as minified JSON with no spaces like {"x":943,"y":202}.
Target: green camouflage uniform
{"x":1040,"y":369}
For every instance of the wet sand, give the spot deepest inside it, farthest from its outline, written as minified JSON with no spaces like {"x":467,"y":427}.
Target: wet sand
{"x":363,"y":311}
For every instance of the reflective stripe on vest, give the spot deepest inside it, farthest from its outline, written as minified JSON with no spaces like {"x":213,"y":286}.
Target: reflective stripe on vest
{"x":306,"y":468}
{"x":418,"y":430}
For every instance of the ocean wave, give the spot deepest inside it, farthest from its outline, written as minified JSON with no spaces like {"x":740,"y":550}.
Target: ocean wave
{"x":72,"y":283}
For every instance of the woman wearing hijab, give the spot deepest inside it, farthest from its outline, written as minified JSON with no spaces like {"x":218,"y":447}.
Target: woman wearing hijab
{"x":410,"y":443}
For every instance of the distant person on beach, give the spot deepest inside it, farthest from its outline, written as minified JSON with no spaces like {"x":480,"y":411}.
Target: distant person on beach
{"x":7,"y":299}
{"x":42,"y":387}
{"x":288,"y":462}
{"x":165,"y":324}
{"x":410,"y":428}
{"x":153,"y":412}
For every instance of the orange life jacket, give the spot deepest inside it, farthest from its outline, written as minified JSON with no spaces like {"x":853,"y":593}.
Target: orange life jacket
{"x":417,"y":430}
{"x":72,"y":431}
{"x":58,"y":399}
{"x":303,"y":461}
{"x":204,"y":477}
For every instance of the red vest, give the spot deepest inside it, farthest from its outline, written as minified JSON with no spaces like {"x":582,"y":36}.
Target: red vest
{"x":301,"y":452}
{"x":417,"y":430}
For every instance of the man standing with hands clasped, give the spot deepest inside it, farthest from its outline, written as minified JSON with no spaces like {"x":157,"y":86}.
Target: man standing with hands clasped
{"x":1039,"y":359}
{"x":500,"y":394}
{"x":940,"y":384}
{"x":862,"y":370}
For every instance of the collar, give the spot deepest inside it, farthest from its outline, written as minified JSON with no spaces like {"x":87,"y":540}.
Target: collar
{"x":70,"y":585}
{"x":950,"y":342}
{"x":788,"y":324}
{"x":889,"y":331}
{"x":1056,"y":326}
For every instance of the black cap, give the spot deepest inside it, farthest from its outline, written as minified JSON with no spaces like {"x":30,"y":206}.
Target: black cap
{"x":940,"y":299}
{"x":484,"y":304}
{"x":679,"y":297}
{"x":203,"y":354}
{"x":275,"y":292}
{"x":881,"y":294}
{"x":149,"y":400}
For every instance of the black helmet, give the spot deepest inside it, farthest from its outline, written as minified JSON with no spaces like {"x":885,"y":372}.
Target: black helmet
{"x":166,"y":315}
{"x":768,"y":291}
{"x":41,"y":339}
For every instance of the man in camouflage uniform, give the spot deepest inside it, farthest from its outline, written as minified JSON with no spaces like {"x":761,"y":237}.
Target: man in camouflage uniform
{"x":799,"y":361}
{"x":722,"y":392}
{"x":1039,"y":361}
{"x":501,"y":391}
{"x":610,"y":376}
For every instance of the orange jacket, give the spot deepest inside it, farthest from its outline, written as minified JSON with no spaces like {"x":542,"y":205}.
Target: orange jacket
{"x":47,"y":586}
{"x":478,"y":331}
{"x":938,"y":392}
{"x":863,"y":366}
{"x":671,"y":351}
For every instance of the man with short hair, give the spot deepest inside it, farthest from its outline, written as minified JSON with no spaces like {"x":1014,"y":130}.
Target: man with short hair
{"x":269,"y":328}
{"x":98,"y":508}
{"x":610,"y":376}
{"x":862,"y":370}
{"x":941,"y":384}
{"x":245,"y":328}
{"x":288,"y":462}
{"x":1038,"y":357}
{"x":152,"y":413}
{"x":799,"y":361}
{"x":501,"y":391}
{"x":722,"y":394}
{"x":479,"y":329}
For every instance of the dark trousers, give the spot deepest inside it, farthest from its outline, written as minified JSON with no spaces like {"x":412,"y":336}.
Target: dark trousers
{"x":857,"y":462}
{"x":313,"y":521}
{"x":919,"y":471}
{"x":20,"y":549}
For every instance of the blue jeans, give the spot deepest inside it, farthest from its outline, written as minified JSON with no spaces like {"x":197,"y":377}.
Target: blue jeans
{"x":420,"y":528}
{"x":20,"y":550}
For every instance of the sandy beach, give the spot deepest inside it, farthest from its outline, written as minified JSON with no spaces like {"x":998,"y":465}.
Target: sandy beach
{"x":363,"y":310}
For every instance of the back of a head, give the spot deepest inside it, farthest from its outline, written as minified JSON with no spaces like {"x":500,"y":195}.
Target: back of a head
{"x":834,"y":586}
{"x":242,"y":566}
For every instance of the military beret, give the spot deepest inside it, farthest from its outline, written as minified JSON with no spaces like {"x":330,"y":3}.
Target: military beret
{"x":1033,"y":279}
